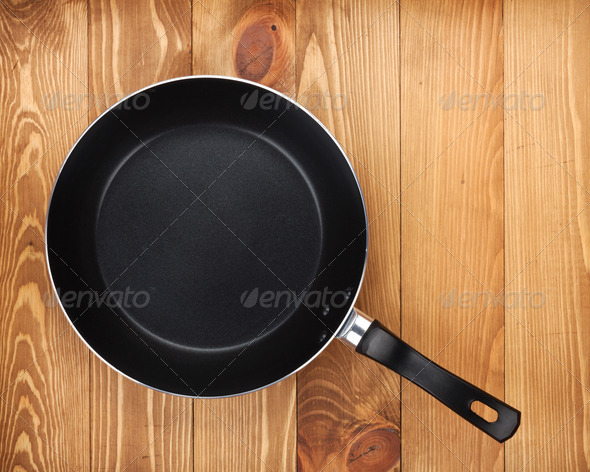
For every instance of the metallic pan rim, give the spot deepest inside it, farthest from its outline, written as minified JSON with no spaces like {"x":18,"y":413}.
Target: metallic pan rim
{"x":293,"y":102}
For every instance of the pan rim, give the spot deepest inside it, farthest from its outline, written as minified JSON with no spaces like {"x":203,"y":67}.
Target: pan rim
{"x":297,"y":106}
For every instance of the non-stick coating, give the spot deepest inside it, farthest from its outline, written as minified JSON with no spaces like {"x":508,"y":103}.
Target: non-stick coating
{"x":198,"y":207}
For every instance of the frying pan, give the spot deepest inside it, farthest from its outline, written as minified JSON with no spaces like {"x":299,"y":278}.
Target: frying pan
{"x":239,"y":219}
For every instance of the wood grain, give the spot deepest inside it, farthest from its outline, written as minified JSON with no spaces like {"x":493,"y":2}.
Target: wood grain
{"x":452,"y":220}
{"x":131,"y":45}
{"x":254,"y":40}
{"x":348,"y":76}
{"x":491,"y":197}
{"x":254,"y":432}
{"x":548,"y":234}
{"x":134,"y":44}
{"x":258,"y":431}
{"x":39,"y":380}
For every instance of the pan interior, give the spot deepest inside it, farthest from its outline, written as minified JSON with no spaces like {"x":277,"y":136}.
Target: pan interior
{"x":209,"y":234}
{"x":196,"y":220}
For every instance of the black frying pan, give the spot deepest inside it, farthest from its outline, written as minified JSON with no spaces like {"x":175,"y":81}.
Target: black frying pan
{"x":238,"y":218}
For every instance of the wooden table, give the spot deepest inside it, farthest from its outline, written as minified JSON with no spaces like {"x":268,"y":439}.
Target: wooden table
{"x":467,"y":124}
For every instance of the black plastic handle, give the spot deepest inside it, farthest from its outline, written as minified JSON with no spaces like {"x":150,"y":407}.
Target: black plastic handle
{"x":381,"y":345}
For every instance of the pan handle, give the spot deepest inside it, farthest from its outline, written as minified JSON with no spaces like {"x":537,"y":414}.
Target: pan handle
{"x":373,"y":340}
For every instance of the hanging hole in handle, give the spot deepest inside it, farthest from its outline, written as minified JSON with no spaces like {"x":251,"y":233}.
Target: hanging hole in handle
{"x":487,"y":413}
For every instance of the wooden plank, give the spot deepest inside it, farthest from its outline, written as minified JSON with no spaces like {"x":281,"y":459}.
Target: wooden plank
{"x":348,"y":76}
{"x":43,"y":52}
{"x":255,"y":41}
{"x":131,"y":45}
{"x":547,"y":233}
{"x":135,"y":44}
{"x":452,"y":220}
{"x":251,"y":432}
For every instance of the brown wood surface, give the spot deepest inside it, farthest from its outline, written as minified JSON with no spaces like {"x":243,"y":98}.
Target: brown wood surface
{"x":44,"y":405}
{"x":452,"y":221}
{"x":548,"y":235}
{"x":469,"y":197}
